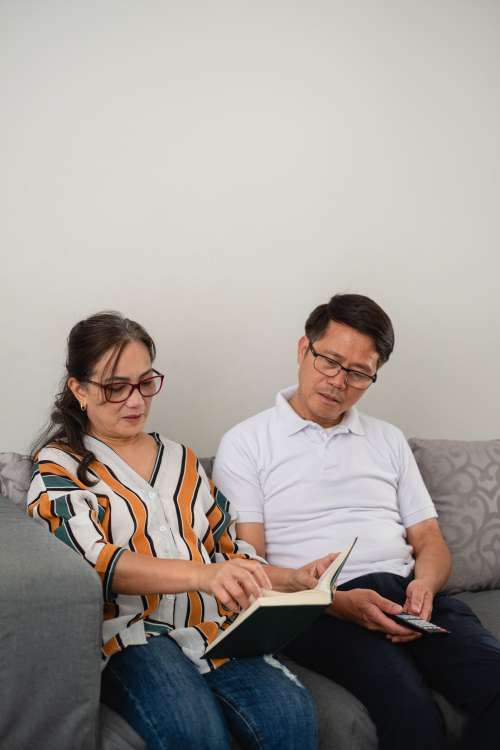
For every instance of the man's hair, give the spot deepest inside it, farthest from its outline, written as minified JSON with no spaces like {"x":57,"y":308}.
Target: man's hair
{"x":358,"y":312}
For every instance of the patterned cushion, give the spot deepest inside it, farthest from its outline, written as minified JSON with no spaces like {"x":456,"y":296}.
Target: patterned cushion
{"x":463,"y":479}
{"x":15,"y":476}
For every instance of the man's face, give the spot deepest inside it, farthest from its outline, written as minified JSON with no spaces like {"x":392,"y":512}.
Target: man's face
{"x":325,"y":399}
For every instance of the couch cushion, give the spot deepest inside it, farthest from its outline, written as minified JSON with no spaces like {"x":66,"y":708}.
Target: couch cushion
{"x":208,"y":465}
{"x":463,"y":478}
{"x":15,"y":477}
{"x":486,"y":605}
{"x":116,"y":733}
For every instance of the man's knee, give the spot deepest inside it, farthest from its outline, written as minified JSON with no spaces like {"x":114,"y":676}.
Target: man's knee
{"x":408,"y":714}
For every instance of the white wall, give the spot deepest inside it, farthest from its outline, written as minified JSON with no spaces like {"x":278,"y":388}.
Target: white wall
{"x":216,"y":169}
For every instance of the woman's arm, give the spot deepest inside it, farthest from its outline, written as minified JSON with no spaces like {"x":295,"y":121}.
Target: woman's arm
{"x":71,"y":511}
{"x":235,"y":582}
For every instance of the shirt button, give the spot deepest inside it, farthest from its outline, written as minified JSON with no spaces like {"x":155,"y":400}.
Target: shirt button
{"x":163,"y":528}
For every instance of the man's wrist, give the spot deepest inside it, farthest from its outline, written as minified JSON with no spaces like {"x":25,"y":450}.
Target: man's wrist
{"x":290,"y":583}
{"x":281,"y":578}
{"x":336,"y":608}
{"x":430,"y":583}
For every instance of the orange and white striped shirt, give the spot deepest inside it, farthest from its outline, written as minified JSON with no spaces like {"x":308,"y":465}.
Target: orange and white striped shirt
{"x":178,"y":514}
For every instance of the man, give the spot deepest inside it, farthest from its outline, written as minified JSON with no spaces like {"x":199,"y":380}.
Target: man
{"x":312,"y":473}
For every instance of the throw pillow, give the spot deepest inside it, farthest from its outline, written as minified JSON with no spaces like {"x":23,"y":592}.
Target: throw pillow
{"x":208,"y":465}
{"x":463,"y":479}
{"x":15,"y":477}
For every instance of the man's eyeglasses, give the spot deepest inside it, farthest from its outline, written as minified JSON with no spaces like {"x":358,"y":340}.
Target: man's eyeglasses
{"x":330,"y":367}
{"x":117,"y":392}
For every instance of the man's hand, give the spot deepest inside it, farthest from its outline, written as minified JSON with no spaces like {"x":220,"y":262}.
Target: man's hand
{"x":419,"y":598}
{"x":301,"y":579}
{"x":235,"y":583}
{"x":369,"y":610}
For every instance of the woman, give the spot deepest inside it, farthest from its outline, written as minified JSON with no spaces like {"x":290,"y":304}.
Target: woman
{"x":139,"y":508}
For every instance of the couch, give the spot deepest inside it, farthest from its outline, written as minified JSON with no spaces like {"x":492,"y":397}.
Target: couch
{"x":50,"y":612}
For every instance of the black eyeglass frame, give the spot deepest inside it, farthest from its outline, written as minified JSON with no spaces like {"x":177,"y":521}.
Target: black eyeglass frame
{"x":340,"y":367}
{"x":132,"y":386}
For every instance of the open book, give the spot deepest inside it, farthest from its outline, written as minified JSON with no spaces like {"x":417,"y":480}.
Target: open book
{"x":275,"y":618}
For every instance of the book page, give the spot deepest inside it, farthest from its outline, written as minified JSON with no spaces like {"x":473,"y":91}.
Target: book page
{"x":331,"y":574}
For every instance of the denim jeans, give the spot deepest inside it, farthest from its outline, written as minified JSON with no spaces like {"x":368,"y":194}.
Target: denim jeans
{"x":394,"y":681}
{"x":161,"y":694}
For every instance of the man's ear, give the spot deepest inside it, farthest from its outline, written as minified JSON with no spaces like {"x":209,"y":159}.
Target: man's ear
{"x":302,"y":348}
{"x":79,"y":391}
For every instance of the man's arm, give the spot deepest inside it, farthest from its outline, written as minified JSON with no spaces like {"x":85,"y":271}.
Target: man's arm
{"x":254,"y":534}
{"x":432,"y":567}
{"x":284,"y":579}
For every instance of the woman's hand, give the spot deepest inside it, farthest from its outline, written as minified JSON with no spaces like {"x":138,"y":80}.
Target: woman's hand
{"x":235,"y":583}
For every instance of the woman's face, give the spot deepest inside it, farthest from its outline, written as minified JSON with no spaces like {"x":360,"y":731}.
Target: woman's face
{"x":116,"y":421}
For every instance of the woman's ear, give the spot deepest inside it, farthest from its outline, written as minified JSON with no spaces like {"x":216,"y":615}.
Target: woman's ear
{"x":79,"y":391}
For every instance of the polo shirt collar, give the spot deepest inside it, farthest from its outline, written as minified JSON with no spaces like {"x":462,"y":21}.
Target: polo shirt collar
{"x":293,"y":423}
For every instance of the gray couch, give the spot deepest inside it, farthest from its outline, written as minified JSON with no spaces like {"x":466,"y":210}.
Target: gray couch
{"x":50,"y":612}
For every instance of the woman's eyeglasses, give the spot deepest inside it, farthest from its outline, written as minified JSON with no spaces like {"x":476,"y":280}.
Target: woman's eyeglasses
{"x":118,"y":391}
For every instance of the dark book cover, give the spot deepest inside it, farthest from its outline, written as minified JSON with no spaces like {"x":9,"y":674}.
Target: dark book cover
{"x":267,"y":630}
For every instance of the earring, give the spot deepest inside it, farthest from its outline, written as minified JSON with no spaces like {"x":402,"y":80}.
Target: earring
{"x":83,"y":407}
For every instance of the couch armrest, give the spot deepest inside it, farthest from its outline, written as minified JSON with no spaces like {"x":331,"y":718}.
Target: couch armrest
{"x":50,"y":633}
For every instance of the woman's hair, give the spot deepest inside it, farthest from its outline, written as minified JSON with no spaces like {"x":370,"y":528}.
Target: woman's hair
{"x":356,"y":311}
{"x":88,"y":341}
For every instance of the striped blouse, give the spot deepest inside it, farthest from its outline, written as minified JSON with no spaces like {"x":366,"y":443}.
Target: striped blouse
{"x":178,"y":514}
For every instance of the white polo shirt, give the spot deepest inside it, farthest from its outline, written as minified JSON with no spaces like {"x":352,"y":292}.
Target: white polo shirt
{"x":316,"y":489}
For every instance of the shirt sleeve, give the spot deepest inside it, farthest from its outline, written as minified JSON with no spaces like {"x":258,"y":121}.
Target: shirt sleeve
{"x":415,"y":503}
{"x":222,"y":542}
{"x":236,"y":475}
{"x":75,"y":515}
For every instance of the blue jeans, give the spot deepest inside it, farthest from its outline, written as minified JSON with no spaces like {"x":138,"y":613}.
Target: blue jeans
{"x":394,"y":681}
{"x":171,"y":705}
